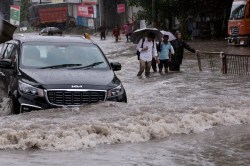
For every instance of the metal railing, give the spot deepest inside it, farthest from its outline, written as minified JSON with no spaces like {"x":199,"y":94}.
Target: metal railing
{"x":224,"y":63}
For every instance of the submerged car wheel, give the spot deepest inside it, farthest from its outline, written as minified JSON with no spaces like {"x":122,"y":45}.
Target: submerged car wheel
{"x":14,"y":106}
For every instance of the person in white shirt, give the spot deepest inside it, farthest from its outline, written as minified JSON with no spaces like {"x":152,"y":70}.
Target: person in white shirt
{"x":147,"y":49}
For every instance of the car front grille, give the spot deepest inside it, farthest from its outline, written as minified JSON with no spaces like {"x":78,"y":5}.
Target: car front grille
{"x":71,"y":98}
{"x":234,"y":30}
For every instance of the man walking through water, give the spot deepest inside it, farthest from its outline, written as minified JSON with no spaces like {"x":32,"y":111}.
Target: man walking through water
{"x":178,"y":45}
{"x":166,"y":52}
{"x":103,"y":31}
{"x":147,"y":49}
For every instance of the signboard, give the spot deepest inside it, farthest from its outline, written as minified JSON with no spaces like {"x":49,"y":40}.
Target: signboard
{"x":121,"y":8}
{"x":91,"y":2}
{"x":83,"y":11}
{"x":15,"y":14}
{"x":82,"y":21}
{"x":91,"y":23}
{"x":90,"y":10}
{"x":57,"y":1}
{"x":74,"y":1}
{"x":38,"y":1}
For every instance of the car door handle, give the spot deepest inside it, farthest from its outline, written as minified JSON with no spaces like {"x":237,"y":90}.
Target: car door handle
{"x":2,"y":74}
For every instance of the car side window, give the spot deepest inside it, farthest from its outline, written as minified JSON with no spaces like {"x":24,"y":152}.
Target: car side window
{"x":8,"y":51}
{"x":14,"y":53}
{"x":3,"y":50}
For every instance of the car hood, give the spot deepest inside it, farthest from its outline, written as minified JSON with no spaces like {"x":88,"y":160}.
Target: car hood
{"x":67,"y":76}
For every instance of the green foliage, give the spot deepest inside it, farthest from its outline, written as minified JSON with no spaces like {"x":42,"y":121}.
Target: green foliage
{"x":167,"y":10}
{"x":164,"y":9}
{"x":24,"y":10}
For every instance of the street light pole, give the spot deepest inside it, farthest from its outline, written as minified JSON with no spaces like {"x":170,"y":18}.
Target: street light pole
{"x":153,"y":13}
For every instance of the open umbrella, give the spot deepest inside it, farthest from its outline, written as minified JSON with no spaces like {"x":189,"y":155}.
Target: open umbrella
{"x":7,"y":31}
{"x":140,"y":33}
{"x":170,"y":35}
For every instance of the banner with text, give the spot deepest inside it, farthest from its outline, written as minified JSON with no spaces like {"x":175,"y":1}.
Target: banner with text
{"x":121,"y":8}
{"x":15,"y":14}
{"x":90,"y":2}
{"x":86,"y":11}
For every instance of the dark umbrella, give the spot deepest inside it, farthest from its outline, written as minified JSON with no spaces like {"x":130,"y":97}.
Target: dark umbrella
{"x":140,"y":33}
{"x":7,"y":32}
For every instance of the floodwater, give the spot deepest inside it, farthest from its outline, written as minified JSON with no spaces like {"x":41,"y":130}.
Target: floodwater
{"x":181,"y":118}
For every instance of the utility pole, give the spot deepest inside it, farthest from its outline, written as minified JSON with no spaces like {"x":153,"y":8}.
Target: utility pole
{"x":153,"y":13}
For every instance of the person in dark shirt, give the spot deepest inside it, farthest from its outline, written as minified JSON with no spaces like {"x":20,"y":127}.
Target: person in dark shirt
{"x":103,"y":31}
{"x":179,"y":45}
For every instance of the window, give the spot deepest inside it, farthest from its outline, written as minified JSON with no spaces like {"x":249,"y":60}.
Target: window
{"x":7,"y":52}
{"x":3,"y":50}
{"x":13,"y":55}
{"x":40,"y":55}
{"x":238,"y":10}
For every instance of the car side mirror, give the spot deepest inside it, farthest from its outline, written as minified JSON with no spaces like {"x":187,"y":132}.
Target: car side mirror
{"x":6,"y":63}
{"x":116,"y":66}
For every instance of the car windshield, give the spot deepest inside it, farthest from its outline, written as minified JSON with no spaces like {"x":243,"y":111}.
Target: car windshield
{"x":238,"y":10}
{"x":61,"y":55}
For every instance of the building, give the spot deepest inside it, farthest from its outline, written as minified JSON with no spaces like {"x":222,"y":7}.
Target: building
{"x":110,"y":16}
{"x":5,"y":8}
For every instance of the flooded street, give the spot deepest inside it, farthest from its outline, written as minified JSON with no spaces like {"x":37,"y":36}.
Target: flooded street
{"x":182,"y":118}
{"x":220,"y":146}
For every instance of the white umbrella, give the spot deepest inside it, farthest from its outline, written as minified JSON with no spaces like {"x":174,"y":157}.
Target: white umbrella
{"x":140,"y":33}
{"x":170,"y":35}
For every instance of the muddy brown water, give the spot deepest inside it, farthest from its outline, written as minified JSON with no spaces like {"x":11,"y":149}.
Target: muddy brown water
{"x":185,"y":118}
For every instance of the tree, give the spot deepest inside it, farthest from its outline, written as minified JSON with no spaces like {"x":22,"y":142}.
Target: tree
{"x":182,"y":9}
{"x":24,"y":10}
{"x":164,"y":9}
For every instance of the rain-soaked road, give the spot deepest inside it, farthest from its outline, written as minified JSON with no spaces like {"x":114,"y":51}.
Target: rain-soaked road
{"x":185,"y":118}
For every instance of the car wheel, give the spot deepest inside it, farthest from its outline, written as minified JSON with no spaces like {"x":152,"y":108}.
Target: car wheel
{"x":14,"y":106}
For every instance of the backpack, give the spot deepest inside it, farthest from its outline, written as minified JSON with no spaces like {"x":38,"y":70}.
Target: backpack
{"x":138,"y":52}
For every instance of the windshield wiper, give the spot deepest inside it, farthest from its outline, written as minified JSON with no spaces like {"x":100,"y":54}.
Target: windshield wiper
{"x":60,"y":66}
{"x":88,"y":66}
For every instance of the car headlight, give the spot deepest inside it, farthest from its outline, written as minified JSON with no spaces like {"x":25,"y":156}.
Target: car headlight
{"x":30,"y":90}
{"x":117,"y":91}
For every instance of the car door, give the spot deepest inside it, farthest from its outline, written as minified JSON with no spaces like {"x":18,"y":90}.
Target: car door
{"x":2,"y":75}
{"x":9,"y":52}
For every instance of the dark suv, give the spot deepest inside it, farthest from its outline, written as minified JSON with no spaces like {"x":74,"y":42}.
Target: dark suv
{"x":41,"y":72}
